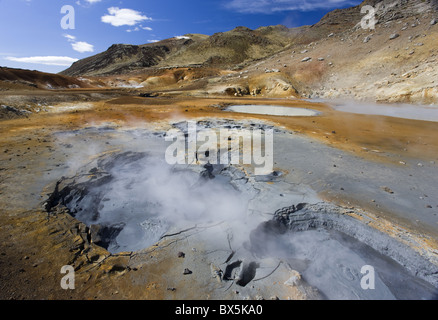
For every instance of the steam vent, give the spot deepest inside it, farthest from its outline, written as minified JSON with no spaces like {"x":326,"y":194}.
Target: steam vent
{"x":266,"y":163}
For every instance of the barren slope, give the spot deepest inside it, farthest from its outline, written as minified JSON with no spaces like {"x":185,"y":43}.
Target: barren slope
{"x":18,"y":78}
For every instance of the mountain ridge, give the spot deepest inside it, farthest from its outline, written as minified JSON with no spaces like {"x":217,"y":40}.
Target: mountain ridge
{"x":238,"y":45}
{"x":222,"y":49}
{"x":334,"y":58}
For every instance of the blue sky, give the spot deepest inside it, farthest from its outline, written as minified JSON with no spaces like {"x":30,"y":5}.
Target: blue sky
{"x":34,"y":36}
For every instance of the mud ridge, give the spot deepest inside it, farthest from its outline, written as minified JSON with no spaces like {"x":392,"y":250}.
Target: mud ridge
{"x":326,"y":216}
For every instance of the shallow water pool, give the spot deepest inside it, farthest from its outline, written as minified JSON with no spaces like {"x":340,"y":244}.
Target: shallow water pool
{"x":273,"y":110}
{"x":397,"y":110}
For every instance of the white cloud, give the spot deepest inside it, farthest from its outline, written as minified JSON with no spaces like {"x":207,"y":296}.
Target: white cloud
{"x":79,"y":46}
{"x":135,"y":29}
{"x":46,"y":60}
{"x":271,"y":6}
{"x":138,"y":28}
{"x":182,"y":37}
{"x":82,"y":47}
{"x":153,"y":41}
{"x":123,"y":17}
{"x":70,"y":37}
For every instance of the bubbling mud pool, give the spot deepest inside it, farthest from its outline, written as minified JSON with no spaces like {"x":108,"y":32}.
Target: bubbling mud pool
{"x":273,"y":110}
{"x":131,"y":200}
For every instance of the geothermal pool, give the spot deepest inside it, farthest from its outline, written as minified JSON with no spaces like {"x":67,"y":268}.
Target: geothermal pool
{"x":273,"y":110}
{"x":131,"y":199}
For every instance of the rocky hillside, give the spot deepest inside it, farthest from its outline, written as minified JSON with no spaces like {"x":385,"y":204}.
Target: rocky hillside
{"x":232,"y":48}
{"x":337,"y":58}
{"x":123,"y":58}
{"x":394,"y":62}
{"x":224,"y":49}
